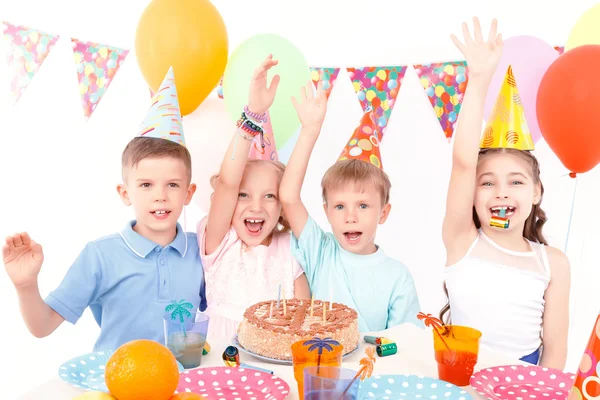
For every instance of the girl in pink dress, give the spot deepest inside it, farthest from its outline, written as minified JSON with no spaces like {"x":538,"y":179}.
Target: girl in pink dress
{"x":245,"y":239}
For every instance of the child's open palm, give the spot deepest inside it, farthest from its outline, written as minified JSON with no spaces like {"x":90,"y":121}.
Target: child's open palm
{"x":311,"y":109}
{"x":261,"y":97}
{"x":22,"y":259}
{"x":482,"y":56}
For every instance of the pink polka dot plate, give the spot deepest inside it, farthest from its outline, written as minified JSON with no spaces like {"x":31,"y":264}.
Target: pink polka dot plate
{"x":522,"y":382}
{"x":232,"y":383}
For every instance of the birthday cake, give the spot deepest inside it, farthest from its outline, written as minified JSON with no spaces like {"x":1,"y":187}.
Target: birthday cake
{"x":270,"y":331}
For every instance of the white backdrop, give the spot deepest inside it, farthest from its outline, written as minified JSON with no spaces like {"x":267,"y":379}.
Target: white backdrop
{"x":58,"y":172}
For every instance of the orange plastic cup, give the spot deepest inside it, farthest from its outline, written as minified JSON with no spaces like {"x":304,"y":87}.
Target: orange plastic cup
{"x":456,"y":349}
{"x":302,"y":358}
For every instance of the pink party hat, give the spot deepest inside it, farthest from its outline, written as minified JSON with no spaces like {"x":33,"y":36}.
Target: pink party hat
{"x":269,"y":151}
{"x":164,"y":120}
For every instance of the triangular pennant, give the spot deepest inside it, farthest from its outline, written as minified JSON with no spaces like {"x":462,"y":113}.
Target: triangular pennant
{"x":27,"y":50}
{"x":97,"y":65}
{"x":445,"y":84}
{"x":163,"y":120}
{"x":326,"y":75}
{"x":507,"y":126}
{"x":560,"y":49}
{"x":269,"y":150}
{"x":377,"y":89}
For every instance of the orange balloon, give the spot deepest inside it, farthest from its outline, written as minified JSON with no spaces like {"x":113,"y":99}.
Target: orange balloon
{"x":567,"y":108}
{"x":188,"y":35}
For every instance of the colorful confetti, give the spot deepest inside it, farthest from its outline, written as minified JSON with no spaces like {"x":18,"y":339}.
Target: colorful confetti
{"x":163,"y":120}
{"x":377,"y":89}
{"x":560,"y":49}
{"x":326,"y":75}
{"x":27,"y":50}
{"x":97,"y":65}
{"x":445,"y":84}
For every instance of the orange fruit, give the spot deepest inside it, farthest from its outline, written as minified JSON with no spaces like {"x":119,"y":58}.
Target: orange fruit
{"x":142,"y":370}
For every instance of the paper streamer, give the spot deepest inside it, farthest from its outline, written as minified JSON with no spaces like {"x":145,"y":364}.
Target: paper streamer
{"x":560,"y":49}
{"x":27,"y":51}
{"x":445,"y":84}
{"x":269,"y":152}
{"x":326,"y":75}
{"x":97,"y":65}
{"x":377,"y":89}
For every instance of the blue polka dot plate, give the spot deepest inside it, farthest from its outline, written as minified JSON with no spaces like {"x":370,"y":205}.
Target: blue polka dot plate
{"x":87,"y":371}
{"x":404,"y":387}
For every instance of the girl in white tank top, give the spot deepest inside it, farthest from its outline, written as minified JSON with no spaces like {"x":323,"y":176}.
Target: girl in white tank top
{"x":501,"y":278}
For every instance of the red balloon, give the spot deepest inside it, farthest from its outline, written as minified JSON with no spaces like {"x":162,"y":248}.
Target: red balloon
{"x":462,"y":87}
{"x":568,"y":101}
{"x":445,"y":97}
{"x":376,"y":102}
{"x":379,"y":85}
{"x":448,"y":79}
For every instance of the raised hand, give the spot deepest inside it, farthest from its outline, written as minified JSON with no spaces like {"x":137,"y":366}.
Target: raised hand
{"x":261,"y":97}
{"x":482,"y":56}
{"x":311,"y":109}
{"x":22,"y":259}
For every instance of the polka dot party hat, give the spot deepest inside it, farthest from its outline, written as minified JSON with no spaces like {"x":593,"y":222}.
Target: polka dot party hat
{"x":507,"y":127}
{"x":364,"y":143}
{"x":164,"y":120}
{"x":587,"y":382}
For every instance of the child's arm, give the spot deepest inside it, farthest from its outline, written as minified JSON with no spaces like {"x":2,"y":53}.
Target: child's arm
{"x":227,"y":186}
{"x":556,"y":312}
{"x":311,"y":111}
{"x":23,"y":260}
{"x":301,"y":288}
{"x":404,"y":304}
{"x":482,"y":58}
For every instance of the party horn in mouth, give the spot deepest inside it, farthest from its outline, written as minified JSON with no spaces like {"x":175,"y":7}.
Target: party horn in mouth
{"x":500,"y":221}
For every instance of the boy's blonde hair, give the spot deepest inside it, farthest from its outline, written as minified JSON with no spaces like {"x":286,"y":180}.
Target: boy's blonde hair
{"x":140,"y":148}
{"x":357,"y":172}
{"x":283,"y":224}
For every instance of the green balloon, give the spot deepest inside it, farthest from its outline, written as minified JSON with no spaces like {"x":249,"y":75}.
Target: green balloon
{"x":292,"y":68}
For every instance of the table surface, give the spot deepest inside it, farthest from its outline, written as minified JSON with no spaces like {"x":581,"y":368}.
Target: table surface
{"x":415,"y":356}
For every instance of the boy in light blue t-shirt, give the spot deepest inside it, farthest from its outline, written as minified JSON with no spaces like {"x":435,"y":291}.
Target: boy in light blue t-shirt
{"x":126,"y":279}
{"x":347,"y":265}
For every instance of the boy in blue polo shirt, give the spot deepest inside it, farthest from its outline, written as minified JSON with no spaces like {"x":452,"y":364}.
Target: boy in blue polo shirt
{"x":128,"y":278}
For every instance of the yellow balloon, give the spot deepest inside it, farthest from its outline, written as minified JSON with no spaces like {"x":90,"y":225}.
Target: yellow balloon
{"x":439,"y":91}
{"x":449,"y":69}
{"x":425,"y":83}
{"x":356,"y":86}
{"x":94,"y":396}
{"x":188,"y":35}
{"x":586,"y":30}
{"x":370,"y":95}
{"x":314,"y":75}
{"x":381,"y":74}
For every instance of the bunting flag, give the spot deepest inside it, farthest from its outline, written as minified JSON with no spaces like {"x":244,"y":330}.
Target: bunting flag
{"x":27,"y":50}
{"x":377,"y":89}
{"x":560,"y":49}
{"x":97,"y":65}
{"x":445,"y":84}
{"x":326,"y":75}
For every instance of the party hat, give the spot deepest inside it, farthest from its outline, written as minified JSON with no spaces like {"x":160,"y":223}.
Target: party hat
{"x":364,"y":143}
{"x":263,"y":146}
{"x":507,"y":127}
{"x":587,"y":382}
{"x":163,"y":120}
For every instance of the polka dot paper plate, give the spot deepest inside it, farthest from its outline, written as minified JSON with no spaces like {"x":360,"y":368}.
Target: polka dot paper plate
{"x":520,"y":382}
{"x":232,"y":383}
{"x":87,"y":371}
{"x":394,"y":387}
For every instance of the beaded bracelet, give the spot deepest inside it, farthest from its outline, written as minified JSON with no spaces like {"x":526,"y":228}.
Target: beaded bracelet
{"x":257,"y":117}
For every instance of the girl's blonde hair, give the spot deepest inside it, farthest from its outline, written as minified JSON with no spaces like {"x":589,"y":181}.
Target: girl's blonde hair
{"x":283,"y":225}
{"x":537,"y":218}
